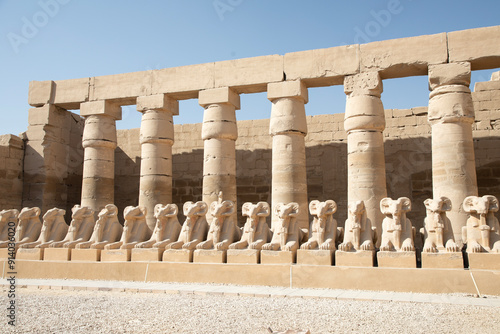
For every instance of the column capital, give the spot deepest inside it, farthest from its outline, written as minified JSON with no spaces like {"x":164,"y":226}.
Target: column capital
{"x":449,"y":74}
{"x":104,"y":107}
{"x":159,"y":102}
{"x":367,"y":83}
{"x":224,"y":95}
{"x":296,"y":88}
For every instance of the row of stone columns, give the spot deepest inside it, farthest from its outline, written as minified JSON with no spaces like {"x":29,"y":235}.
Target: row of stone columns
{"x":451,"y":115}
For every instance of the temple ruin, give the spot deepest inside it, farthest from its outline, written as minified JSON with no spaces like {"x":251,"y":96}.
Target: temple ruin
{"x":289,"y":200}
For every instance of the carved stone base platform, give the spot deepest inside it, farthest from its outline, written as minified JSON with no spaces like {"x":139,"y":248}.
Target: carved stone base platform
{"x":4,"y":253}
{"x":147,"y":254}
{"x":178,"y":255}
{"x":57,"y":254}
{"x":315,"y":257}
{"x":277,"y":257}
{"x":86,"y":255}
{"x":444,"y":260}
{"x":29,"y":254}
{"x":415,"y":280}
{"x":209,"y":256}
{"x":115,"y":255}
{"x":489,"y":261}
{"x":248,"y":256}
{"x":397,"y":259}
{"x":355,"y":259}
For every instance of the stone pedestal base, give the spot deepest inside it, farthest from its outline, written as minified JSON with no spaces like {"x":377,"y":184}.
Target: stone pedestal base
{"x":355,"y":259}
{"x":178,"y":255}
{"x":277,"y":257}
{"x":246,"y":256}
{"x":29,"y":254}
{"x":209,"y":256}
{"x":85,"y":255}
{"x":115,"y":255}
{"x":489,"y":261}
{"x":315,"y":257}
{"x":4,"y":253}
{"x":442,"y":260}
{"x":397,"y":259}
{"x":57,"y":254}
{"x":147,"y":254}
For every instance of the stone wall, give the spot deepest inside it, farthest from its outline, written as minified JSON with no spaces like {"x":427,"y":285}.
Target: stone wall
{"x":11,"y":171}
{"x":407,"y":151}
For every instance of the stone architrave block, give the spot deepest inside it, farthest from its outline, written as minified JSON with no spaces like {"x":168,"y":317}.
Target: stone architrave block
{"x":57,"y":254}
{"x":396,"y":259}
{"x":29,"y":254}
{"x":480,"y":47}
{"x":70,"y":93}
{"x":486,"y":261}
{"x":249,"y":75}
{"x":183,"y":82}
{"x":355,"y":259}
{"x":315,"y":257}
{"x":322,"y":67}
{"x":448,"y":260}
{"x":209,"y":256}
{"x":116,"y":255}
{"x":404,"y":57}
{"x":243,"y":256}
{"x":41,"y":93}
{"x":147,"y":254}
{"x":178,"y":255}
{"x":85,"y":255}
{"x":277,"y":257}
{"x":127,"y":86}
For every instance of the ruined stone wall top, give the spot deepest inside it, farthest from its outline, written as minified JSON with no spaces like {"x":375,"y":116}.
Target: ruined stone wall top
{"x":322,"y":67}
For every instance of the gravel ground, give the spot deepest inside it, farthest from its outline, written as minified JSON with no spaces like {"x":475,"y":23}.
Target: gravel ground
{"x":63,"y":311}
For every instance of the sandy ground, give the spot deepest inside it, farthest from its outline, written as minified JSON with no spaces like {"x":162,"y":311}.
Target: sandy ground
{"x":63,"y":311}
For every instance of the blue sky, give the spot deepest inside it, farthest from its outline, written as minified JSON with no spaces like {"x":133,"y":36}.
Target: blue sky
{"x":75,"y":39}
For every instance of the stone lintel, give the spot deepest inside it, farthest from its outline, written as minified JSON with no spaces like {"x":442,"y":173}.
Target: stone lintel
{"x":159,"y":102}
{"x":367,"y":83}
{"x":103,"y":107}
{"x":218,"y":96}
{"x":449,"y":74}
{"x":41,"y":92}
{"x":296,"y":88}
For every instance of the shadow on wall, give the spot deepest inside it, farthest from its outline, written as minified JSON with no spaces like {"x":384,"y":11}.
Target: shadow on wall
{"x":408,"y":173}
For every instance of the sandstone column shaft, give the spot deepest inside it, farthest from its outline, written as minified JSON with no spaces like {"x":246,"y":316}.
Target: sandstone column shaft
{"x":219,"y":133}
{"x":451,"y":115}
{"x":364,"y":123}
{"x":157,"y":138}
{"x":288,"y":127}
{"x":99,"y":143}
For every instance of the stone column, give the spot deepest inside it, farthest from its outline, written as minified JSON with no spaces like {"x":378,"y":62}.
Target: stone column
{"x":288,"y":127}
{"x":219,"y":133}
{"x":364,"y":123}
{"x":157,"y":138}
{"x":99,"y":143}
{"x":451,"y":115}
